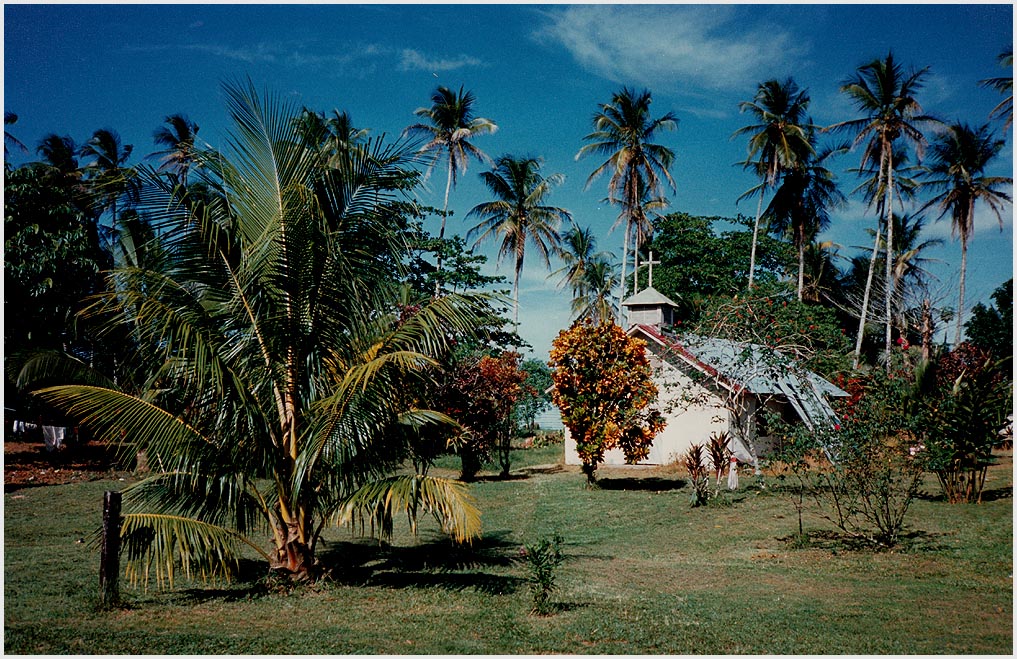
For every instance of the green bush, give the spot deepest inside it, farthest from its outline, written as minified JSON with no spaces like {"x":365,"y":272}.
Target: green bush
{"x":542,"y":559}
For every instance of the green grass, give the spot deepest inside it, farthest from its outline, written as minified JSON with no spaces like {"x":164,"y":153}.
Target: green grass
{"x":644,"y":573}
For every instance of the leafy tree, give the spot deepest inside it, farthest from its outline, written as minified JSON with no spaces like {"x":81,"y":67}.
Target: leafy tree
{"x":991,"y":328}
{"x":481,"y":392}
{"x":281,"y":346}
{"x":518,"y":214}
{"x":698,"y":260}
{"x":778,"y":142}
{"x":534,"y":398}
{"x":623,"y":131}
{"x":811,"y":334}
{"x":886,"y":95}
{"x":451,"y":125}
{"x":603,"y":386}
{"x":960,"y":157}
{"x":52,"y":260}
{"x":9,"y":120}
{"x":966,"y":410}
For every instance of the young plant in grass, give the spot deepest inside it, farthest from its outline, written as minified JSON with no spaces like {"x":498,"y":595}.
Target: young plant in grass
{"x":719,"y":454}
{"x":699,"y":475}
{"x":542,"y":560}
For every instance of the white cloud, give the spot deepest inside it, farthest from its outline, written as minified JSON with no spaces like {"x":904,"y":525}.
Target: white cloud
{"x":698,"y":47}
{"x":414,"y":60}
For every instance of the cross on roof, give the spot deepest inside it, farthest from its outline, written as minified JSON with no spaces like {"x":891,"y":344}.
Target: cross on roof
{"x":650,"y":263}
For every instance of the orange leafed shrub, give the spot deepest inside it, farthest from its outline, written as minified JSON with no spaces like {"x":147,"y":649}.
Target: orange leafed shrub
{"x":604,"y":388}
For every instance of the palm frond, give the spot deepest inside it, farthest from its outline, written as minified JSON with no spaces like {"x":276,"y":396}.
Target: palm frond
{"x":164,"y":545}
{"x":448,"y":501}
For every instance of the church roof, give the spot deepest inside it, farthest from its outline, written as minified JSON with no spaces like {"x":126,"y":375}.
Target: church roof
{"x":648,"y":297}
{"x":754,"y":368}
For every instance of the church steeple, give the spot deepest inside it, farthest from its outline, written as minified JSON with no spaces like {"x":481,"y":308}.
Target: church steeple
{"x":649,"y":306}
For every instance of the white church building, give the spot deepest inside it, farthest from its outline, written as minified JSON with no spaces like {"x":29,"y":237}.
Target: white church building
{"x":708,"y":385}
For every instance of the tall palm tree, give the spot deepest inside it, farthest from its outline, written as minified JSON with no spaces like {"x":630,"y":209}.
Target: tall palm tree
{"x":1004,"y":85}
{"x":646,"y":212}
{"x":280,"y":354}
{"x":178,"y":139}
{"x":623,"y":131}
{"x":960,"y":156}
{"x":450,"y":126}
{"x":592,"y":299}
{"x":801,"y":206}
{"x":885,"y":94}
{"x":910,"y":264}
{"x":106,"y":173}
{"x":518,"y":214}
{"x":577,"y":250}
{"x":777,"y":142}
{"x":822,"y":280}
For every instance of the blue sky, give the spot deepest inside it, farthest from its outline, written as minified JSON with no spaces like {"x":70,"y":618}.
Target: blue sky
{"x":538,"y":71}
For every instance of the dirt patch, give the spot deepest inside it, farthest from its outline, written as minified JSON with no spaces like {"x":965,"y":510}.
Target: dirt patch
{"x":29,"y":464}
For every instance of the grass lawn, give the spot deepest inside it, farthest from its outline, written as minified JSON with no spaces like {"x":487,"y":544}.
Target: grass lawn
{"x":644,"y":573}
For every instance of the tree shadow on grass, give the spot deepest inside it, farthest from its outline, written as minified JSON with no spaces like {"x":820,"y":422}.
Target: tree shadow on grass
{"x":995,"y":494}
{"x":648,"y":484}
{"x":432,"y":563}
{"x":834,"y":541}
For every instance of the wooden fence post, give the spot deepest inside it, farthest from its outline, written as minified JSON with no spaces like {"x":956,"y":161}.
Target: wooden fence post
{"x":109,"y":562}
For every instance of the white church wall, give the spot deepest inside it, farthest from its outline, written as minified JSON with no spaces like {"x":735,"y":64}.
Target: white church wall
{"x":687,"y":422}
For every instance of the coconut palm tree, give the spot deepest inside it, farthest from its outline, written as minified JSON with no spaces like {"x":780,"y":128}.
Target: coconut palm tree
{"x":1004,"y":85}
{"x":801,"y":206}
{"x":450,"y":127}
{"x":592,"y":299}
{"x":518,"y":214}
{"x":177,"y":137}
{"x":910,"y":265}
{"x":106,"y":174}
{"x":822,"y":280}
{"x":280,"y":347}
{"x":885,"y":94}
{"x":778,"y":141}
{"x":623,"y":131}
{"x":577,"y":250}
{"x":960,"y":156}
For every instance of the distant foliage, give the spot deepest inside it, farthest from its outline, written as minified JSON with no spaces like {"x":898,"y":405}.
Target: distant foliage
{"x":604,"y":389}
{"x":809,"y":333}
{"x":481,"y":395}
{"x":991,"y":328}
{"x":535,"y":397}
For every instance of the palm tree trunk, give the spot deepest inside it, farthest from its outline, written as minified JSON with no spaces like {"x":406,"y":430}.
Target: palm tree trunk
{"x":441,"y":233}
{"x":515,"y":292}
{"x":890,"y":283}
{"x":963,"y":273}
{"x":755,"y":236}
{"x":800,"y":231}
{"x":621,"y":285}
{"x":865,"y":299}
